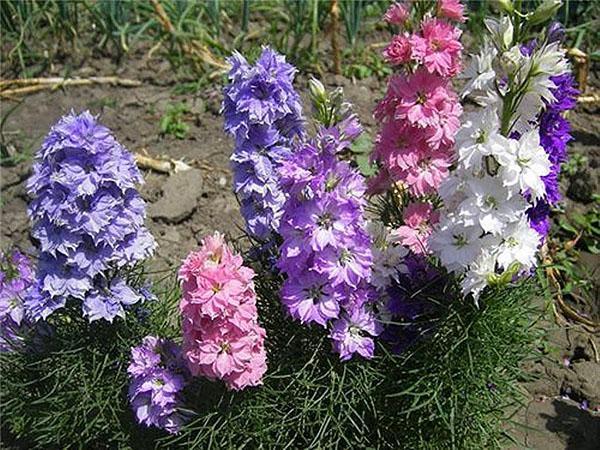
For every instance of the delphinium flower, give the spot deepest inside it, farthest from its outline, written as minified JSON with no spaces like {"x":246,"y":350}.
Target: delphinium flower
{"x":157,"y":376}
{"x":419,"y":114}
{"x":418,"y":221}
{"x":222,"y":338}
{"x":413,"y":296}
{"x":509,"y":153}
{"x":414,"y":150}
{"x":17,"y":280}
{"x":420,"y":111}
{"x":326,"y":252}
{"x":88,"y":219}
{"x":262,"y":111}
{"x":554,"y":130}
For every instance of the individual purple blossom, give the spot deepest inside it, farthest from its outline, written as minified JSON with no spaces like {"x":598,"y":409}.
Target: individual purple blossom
{"x":262,"y":111}
{"x":539,"y":218}
{"x":87,"y":218}
{"x":16,"y":282}
{"x":158,"y":375}
{"x":353,"y":333}
{"x":326,"y":250}
{"x":555,"y":32}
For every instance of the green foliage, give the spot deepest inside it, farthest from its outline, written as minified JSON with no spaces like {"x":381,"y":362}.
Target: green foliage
{"x":581,"y":20}
{"x":68,"y":387}
{"x":41,"y":33}
{"x":576,"y":163}
{"x":453,"y":390}
{"x":365,"y":63}
{"x":172,"y":121}
{"x":361,"y":150}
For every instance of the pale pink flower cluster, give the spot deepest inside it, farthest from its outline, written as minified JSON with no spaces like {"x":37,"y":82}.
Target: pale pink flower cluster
{"x":418,"y":220}
{"x":420,"y":111}
{"x":221,"y":335}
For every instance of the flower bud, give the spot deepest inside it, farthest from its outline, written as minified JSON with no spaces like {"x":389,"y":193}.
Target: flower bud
{"x":545,"y":11}
{"x":506,"y":5}
{"x":506,"y":277}
{"x":502,"y":30}
{"x":317,"y":90}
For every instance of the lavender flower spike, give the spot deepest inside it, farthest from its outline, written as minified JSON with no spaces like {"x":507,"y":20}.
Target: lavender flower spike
{"x":263,"y":113}
{"x":158,"y":375}
{"x":326,"y":250}
{"x":87,"y":217}
{"x":16,"y":283}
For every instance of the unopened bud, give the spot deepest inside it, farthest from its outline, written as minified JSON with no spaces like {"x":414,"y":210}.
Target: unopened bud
{"x":506,"y":5}
{"x":545,"y":11}
{"x":501,"y":30}
{"x":317,"y":90}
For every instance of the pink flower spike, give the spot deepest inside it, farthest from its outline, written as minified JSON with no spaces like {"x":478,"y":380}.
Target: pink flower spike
{"x":396,"y":14}
{"x":221,"y":335}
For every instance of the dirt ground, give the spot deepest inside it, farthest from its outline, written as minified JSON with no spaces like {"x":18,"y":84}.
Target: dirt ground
{"x":185,"y":206}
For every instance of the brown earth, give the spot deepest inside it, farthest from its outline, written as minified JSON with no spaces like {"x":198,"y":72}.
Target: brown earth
{"x":185,"y":206}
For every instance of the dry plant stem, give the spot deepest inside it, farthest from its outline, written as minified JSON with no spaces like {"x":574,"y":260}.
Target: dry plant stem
{"x":31,"y":85}
{"x":335,"y":31}
{"x":581,"y":64}
{"x":169,"y":165}
{"x":589,"y":99}
{"x":565,"y":308}
{"x":162,"y":165}
{"x":193,"y":49}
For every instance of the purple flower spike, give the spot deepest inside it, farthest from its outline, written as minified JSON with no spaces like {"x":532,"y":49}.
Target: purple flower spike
{"x":16,"y":285}
{"x":87,"y":217}
{"x":555,"y":133}
{"x":326,"y":251}
{"x":263,"y":113}
{"x":158,"y":375}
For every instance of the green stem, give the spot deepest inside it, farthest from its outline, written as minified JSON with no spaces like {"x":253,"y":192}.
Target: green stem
{"x":506,"y":114}
{"x":516,"y":17}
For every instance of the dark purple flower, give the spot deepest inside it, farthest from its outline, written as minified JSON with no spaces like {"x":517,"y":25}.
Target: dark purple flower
{"x":565,"y":93}
{"x":528,"y":48}
{"x":555,"y":133}
{"x":87,"y":218}
{"x":158,"y":375}
{"x":414,"y":297}
{"x":262,"y":112}
{"x":539,"y":218}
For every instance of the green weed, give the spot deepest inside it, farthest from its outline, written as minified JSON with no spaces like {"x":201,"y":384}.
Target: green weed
{"x":172,"y":121}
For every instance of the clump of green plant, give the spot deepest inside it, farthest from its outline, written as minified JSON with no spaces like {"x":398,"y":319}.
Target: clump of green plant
{"x":67,"y":387}
{"x":172,"y":123}
{"x":452,"y":390}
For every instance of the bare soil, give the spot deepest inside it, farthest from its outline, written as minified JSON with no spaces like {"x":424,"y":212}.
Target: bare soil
{"x":183,"y":207}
